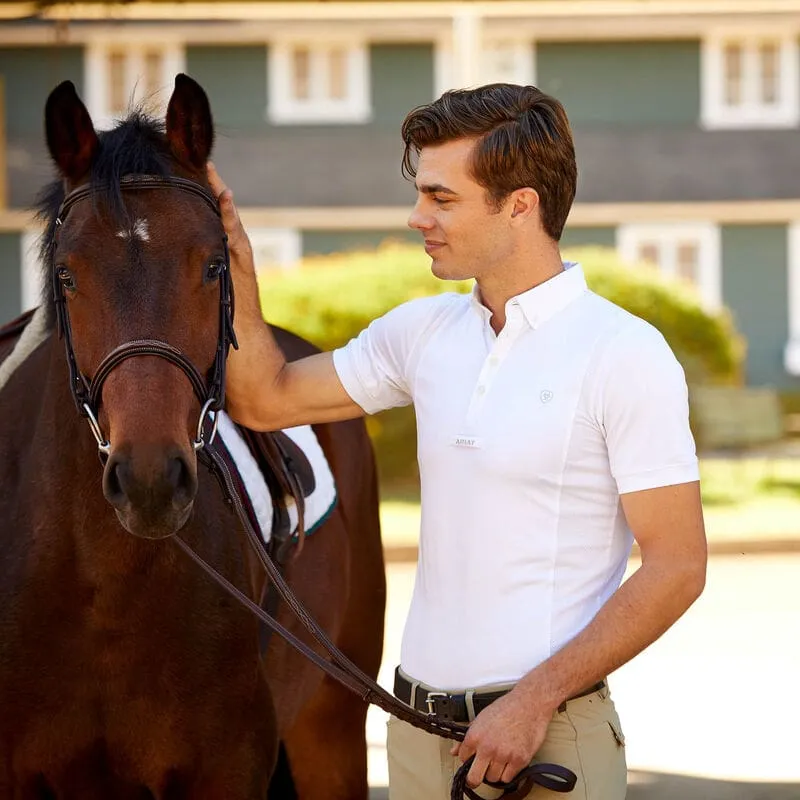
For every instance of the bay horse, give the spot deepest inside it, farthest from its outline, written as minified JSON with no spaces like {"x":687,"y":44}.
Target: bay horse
{"x":125,"y":672}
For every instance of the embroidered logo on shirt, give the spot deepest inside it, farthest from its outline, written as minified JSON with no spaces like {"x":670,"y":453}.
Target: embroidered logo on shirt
{"x":465,"y":441}
{"x":546,"y":396}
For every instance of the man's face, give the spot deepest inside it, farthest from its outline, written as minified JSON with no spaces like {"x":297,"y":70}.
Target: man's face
{"x":465,"y":235}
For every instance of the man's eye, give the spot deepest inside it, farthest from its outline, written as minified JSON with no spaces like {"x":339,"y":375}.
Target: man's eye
{"x":67,"y":279}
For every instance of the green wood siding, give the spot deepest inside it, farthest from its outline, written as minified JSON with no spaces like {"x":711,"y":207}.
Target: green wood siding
{"x":588,"y":237}
{"x":30,"y":74}
{"x":10,"y":276}
{"x":235,"y":79}
{"x":623,"y":83}
{"x":754,"y":287}
{"x":324,"y":242}
{"x":402,"y":78}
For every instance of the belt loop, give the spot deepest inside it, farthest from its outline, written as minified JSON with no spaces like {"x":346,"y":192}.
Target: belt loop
{"x":412,"y":701}
{"x":470,"y":705}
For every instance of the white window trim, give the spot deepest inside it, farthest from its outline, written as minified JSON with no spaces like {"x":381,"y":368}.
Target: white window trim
{"x":707,"y":235}
{"x":96,"y":73}
{"x":791,"y":352}
{"x":31,"y":279}
{"x":524,"y":55}
{"x":447,"y":70}
{"x":287,"y":241}
{"x":282,"y":109}
{"x":715,"y":115}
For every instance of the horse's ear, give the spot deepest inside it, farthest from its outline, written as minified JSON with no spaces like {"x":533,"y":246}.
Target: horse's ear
{"x":71,"y":137}
{"x":190,"y":129}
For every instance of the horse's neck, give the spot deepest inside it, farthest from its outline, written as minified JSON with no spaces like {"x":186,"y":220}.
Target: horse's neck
{"x":48,"y":453}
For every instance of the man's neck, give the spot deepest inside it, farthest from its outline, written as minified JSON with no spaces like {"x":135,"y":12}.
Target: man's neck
{"x":497,"y":290}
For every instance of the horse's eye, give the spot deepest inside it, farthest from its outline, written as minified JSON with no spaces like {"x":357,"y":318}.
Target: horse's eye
{"x":214,"y":270}
{"x":67,"y":279}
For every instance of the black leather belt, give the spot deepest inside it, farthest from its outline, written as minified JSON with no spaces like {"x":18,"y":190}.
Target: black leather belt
{"x":453,"y":707}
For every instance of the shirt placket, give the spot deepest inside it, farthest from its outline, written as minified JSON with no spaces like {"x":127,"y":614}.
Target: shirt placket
{"x":498,"y":352}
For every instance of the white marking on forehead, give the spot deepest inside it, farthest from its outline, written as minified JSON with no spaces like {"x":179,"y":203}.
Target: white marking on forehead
{"x":138,"y":230}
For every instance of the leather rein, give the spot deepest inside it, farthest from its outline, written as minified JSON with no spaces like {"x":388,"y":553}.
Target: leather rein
{"x":87,"y":395}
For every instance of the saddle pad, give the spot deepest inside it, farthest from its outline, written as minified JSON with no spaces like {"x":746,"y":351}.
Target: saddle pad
{"x":318,"y":505}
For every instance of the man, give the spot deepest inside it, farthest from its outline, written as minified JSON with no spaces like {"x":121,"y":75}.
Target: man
{"x":552,"y":429}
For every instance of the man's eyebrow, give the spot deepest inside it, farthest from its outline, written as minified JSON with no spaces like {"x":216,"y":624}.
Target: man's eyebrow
{"x":434,"y":188}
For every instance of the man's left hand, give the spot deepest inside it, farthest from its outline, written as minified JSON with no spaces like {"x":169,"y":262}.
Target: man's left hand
{"x":504,"y":738}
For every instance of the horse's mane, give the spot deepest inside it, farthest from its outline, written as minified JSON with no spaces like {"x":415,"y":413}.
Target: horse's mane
{"x":136,"y":145}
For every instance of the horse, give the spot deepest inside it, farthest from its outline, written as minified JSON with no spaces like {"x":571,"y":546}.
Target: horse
{"x":124,"y":671}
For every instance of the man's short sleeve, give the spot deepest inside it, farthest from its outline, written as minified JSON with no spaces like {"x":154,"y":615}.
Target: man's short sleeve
{"x":375,"y":368}
{"x":645,"y":412}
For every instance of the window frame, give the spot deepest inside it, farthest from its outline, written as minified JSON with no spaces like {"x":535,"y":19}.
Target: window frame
{"x":289,"y":243}
{"x":791,"y":352}
{"x":445,"y":68}
{"x":717,"y":115}
{"x":283,"y":109}
{"x":31,"y":276}
{"x":708,"y":237}
{"x":97,"y":77}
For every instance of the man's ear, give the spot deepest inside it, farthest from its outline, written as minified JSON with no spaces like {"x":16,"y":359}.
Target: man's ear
{"x":524,"y":203}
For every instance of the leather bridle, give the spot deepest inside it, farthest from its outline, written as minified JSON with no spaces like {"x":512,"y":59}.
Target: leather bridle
{"x":87,"y":395}
{"x":87,"y":392}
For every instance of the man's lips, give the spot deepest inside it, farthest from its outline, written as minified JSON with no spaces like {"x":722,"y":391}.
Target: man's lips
{"x":432,"y":245}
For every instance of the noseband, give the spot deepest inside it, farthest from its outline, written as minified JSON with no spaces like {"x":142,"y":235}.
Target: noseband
{"x":87,"y":391}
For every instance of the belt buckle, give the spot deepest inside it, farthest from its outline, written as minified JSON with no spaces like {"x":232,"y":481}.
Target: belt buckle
{"x":430,"y":702}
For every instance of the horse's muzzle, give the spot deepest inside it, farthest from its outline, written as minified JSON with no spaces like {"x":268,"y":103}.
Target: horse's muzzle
{"x":153,"y":497}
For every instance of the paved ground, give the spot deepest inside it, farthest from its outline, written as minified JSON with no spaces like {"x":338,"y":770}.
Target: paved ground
{"x":711,"y":710}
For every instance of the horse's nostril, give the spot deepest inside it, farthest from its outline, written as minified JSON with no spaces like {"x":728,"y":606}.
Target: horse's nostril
{"x":183,"y":480}
{"x":114,"y":480}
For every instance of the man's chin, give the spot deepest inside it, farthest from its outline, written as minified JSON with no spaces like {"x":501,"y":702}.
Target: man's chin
{"x":446,"y":272}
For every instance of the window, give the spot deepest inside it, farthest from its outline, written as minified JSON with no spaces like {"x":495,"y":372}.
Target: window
{"x":791,"y":353}
{"x":507,"y":61}
{"x":318,"y":83}
{"x":499,"y":60}
{"x":750,"y":82}
{"x":120,"y":76}
{"x":686,"y":251}
{"x":275,"y":247}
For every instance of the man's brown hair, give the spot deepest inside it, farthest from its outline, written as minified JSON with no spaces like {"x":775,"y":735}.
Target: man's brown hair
{"x":523,"y":138}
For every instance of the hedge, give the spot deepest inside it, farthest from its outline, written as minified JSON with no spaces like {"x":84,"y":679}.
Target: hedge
{"x":331,"y":298}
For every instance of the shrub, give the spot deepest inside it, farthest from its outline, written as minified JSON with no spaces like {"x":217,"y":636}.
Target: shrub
{"x":330,"y":299}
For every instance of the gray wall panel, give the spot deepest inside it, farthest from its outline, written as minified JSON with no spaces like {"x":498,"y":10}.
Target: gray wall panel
{"x":589,"y":237}
{"x":754,"y":287}
{"x":623,"y":83}
{"x":29,"y":74}
{"x":235,"y":79}
{"x":402,"y":78}
{"x":324,"y":242}
{"x":10,"y":276}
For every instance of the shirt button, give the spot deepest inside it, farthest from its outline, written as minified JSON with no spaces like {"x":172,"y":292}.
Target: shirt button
{"x":481,"y":390}
{"x":493,"y":361}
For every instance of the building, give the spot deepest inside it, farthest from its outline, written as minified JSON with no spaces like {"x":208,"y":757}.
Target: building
{"x":686,"y":117}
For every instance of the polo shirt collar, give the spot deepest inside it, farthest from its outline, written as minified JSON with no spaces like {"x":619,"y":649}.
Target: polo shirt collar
{"x":544,"y":301}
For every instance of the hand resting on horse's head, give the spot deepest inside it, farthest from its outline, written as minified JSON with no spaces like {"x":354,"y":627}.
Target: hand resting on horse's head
{"x":264,"y":392}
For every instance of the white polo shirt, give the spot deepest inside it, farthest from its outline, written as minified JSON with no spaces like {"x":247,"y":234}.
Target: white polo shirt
{"x":525,"y":442}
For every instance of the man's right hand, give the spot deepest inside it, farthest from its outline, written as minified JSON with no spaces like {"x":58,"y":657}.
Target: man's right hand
{"x":263,"y":391}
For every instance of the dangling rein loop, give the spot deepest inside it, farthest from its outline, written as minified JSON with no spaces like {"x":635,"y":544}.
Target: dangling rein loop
{"x":340,"y":668}
{"x":549,"y":776}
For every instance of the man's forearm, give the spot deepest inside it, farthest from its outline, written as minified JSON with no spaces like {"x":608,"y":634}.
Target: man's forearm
{"x":640,"y":611}
{"x":253,"y":374}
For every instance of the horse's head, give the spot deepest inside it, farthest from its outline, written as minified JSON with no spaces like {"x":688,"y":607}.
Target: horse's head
{"x":137,"y":261}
